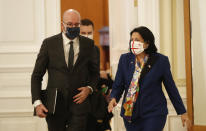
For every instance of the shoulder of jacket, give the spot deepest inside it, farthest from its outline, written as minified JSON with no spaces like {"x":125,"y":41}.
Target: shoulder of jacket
{"x":129,"y":54}
{"x":85,"y":39}
{"x":161,"y":56}
{"x":51,"y":38}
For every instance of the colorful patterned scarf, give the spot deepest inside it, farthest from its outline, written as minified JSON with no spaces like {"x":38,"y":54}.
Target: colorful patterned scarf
{"x":133,"y":91}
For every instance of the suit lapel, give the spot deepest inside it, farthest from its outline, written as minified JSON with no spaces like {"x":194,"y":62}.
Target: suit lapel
{"x":60,"y":49}
{"x":81,"y":46}
{"x":148,"y":66}
{"x":131,"y":66}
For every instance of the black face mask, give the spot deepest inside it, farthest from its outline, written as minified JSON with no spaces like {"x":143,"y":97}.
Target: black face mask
{"x":73,"y":32}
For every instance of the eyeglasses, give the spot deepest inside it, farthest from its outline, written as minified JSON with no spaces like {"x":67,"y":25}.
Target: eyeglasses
{"x":70,"y":24}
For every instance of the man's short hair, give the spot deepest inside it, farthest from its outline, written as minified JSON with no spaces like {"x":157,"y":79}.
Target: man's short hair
{"x":87,"y":22}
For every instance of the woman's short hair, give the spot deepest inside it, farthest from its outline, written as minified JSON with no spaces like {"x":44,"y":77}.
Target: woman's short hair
{"x":148,"y":37}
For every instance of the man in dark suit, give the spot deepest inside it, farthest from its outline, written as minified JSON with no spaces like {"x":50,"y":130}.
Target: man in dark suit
{"x":73,"y":69}
{"x":87,"y":30}
{"x":99,"y":118}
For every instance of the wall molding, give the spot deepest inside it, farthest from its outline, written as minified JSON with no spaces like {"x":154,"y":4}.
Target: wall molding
{"x":19,"y":49}
{"x":16,"y":113}
{"x":16,"y":69}
{"x":199,"y":128}
{"x":13,"y":95}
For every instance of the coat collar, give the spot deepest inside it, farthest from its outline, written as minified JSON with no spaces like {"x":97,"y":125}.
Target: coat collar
{"x":60,"y":48}
{"x":81,"y":46}
{"x":149,"y":64}
{"x":147,"y":67}
{"x":131,"y":63}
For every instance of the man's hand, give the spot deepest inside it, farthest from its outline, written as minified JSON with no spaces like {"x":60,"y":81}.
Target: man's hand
{"x":84,"y":92}
{"x":186,"y":120}
{"x":41,"y":110}
{"x":112,"y":104}
{"x":103,"y":74}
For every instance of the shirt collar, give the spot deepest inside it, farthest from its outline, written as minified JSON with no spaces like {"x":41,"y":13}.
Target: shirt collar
{"x":67,"y":40}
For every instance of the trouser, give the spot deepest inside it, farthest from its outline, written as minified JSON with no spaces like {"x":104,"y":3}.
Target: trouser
{"x":77,"y":123}
{"x":63,"y":119}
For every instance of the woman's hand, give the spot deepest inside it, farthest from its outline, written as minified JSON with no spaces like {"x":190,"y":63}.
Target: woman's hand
{"x":186,"y":120}
{"x":112,"y":104}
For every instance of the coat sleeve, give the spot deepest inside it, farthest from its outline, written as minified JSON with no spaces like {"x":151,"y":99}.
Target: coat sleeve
{"x":39,"y":71}
{"x":172,"y":89}
{"x":118,"y":85}
{"x":94,"y":67}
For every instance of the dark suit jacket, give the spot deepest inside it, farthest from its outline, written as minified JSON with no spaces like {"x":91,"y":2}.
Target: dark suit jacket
{"x":51,"y":58}
{"x":98,"y":53}
{"x":151,"y":100}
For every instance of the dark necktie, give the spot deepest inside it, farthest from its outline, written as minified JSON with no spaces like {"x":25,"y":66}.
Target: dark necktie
{"x":71,"y":56}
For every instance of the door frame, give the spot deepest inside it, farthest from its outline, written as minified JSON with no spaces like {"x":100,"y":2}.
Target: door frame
{"x":188,"y":66}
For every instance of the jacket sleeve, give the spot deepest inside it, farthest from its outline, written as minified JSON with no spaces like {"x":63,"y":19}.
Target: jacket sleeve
{"x":118,"y":85}
{"x":94,"y":67}
{"x":39,"y":71}
{"x":172,"y":89}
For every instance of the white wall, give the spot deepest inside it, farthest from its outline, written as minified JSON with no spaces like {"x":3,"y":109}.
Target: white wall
{"x":124,"y":16}
{"x":198,"y":21}
{"x":122,"y":19}
{"x":23,"y":26}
